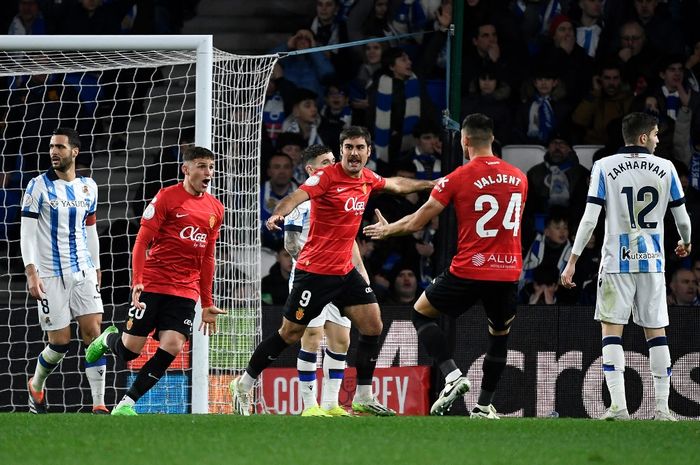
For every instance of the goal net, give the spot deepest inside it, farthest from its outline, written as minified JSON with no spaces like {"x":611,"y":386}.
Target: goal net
{"x":137,"y":109}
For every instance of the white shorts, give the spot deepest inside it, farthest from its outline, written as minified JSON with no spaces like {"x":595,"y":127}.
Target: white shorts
{"x":75,"y":295}
{"x":329,"y":313}
{"x":642,"y":294}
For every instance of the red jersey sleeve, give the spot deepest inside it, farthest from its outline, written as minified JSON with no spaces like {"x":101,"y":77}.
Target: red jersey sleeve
{"x":317,"y":184}
{"x":206,"y":277}
{"x":378,"y":182}
{"x":444,"y":188}
{"x":155,"y":213}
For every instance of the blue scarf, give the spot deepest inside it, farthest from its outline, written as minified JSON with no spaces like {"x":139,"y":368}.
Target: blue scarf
{"x":545,"y":116}
{"x":382,"y":119}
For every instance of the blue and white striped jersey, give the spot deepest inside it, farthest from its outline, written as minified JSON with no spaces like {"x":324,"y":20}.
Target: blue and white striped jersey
{"x":299,"y":220}
{"x":61,"y":209}
{"x":635,"y":188}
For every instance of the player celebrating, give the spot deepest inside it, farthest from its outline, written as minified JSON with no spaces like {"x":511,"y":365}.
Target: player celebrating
{"x":324,"y":270}
{"x":61,"y":254}
{"x":634,"y":187}
{"x":330,"y":321}
{"x":180,"y":225}
{"x":488,"y":196}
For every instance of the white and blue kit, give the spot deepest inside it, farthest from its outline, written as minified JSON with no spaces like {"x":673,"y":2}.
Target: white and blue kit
{"x":635,"y":188}
{"x":64,"y":249}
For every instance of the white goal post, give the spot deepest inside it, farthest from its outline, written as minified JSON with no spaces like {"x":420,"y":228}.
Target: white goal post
{"x":134,"y":117}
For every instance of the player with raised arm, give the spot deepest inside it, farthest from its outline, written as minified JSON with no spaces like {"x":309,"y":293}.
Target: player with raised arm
{"x":324,"y":270}
{"x":635,"y":188}
{"x":179,"y":229}
{"x":61,"y":254}
{"x":335,"y":326}
{"x":488,"y":195}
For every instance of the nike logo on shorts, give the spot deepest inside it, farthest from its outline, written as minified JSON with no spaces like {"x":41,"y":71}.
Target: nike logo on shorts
{"x":181,"y":215}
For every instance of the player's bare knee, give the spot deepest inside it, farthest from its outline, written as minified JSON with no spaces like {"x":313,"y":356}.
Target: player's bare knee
{"x":311,"y":340}
{"x":291,"y":334}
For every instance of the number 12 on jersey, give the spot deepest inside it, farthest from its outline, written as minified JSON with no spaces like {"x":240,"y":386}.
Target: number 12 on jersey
{"x":489,"y":204}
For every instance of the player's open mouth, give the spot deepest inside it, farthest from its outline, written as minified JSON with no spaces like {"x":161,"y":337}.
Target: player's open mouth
{"x":206,"y":182}
{"x":55,"y":159}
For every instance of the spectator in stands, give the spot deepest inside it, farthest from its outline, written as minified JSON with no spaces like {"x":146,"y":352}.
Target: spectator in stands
{"x":542,"y":290}
{"x":274,"y":288}
{"x":397,"y":99}
{"x":433,"y":58}
{"x":637,"y":55}
{"x":559,"y":181}
{"x":376,"y":23}
{"x":29,"y":19}
{"x":573,"y":65}
{"x":304,"y":119}
{"x":425,"y":155}
{"x":543,"y":111}
{"x":278,"y":97}
{"x":291,"y":144}
{"x":534,"y":20}
{"x":307,"y":71}
{"x":672,"y":94}
{"x":589,"y":26}
{"x":336,"y":115}
{"x":329,"y":28}
{"x":551,"y":248}
{"x":89,"y":17}
{"x":661,"y":29}
{"x":696,"y":270}
{"x":488,"y":94}
{"x":484,"y":50}
{"x":372,"y":63}
{"x":279,"y":184}
{"x":684,"y":288}
{"x":609,"y":99}
{"x":404,"y":286}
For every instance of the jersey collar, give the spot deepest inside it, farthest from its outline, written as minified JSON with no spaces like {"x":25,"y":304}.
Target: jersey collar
{"x":634,"y":149}
{"x":51,"y":174}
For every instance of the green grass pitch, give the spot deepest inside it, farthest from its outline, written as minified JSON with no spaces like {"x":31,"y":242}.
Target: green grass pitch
{"x":76,"y":439}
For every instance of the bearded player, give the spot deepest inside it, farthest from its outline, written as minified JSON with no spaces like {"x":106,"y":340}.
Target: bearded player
{"x":180,"y":227}
{"x":324,"y":270}
{"x":488,"y":195}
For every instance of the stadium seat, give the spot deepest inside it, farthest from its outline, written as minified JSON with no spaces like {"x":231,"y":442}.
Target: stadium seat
{"x":523,"y":156}
{"x":585,"y":154}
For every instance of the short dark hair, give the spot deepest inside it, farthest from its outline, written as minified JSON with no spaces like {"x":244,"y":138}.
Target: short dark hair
{"x":197,"y":152}
{"x":636,"y":124}
{"x":355,"y":131}
{"x":478,"y":127}
{"x":310,"y":153}
{"x":390,"y":56}
{"x":72,"y":135}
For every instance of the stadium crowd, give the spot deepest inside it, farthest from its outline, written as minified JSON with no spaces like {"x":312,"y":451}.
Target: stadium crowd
{"x":556,"y":73}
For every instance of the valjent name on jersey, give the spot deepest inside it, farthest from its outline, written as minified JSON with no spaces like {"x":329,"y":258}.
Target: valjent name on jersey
{"x":500,"y":179}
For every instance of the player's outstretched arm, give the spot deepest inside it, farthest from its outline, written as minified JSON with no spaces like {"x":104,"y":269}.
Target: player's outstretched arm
{"x":406,"y":225}
{"x":400,"y":185}
{"x":285,"y":207}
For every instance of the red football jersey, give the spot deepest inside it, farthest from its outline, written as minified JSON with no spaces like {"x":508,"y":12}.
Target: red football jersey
{"x":489,"y":197}
{"x":337,"y":204}
{"x":185,"y":226}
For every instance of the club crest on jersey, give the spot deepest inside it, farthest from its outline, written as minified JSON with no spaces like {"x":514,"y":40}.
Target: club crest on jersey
{"x":299,"y":313}
{"x":212,"y":221}
{"x":129,"y":324}
{"x":364,"y":188}
{"x":352,"y":204}
{"x":86,"y":190}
